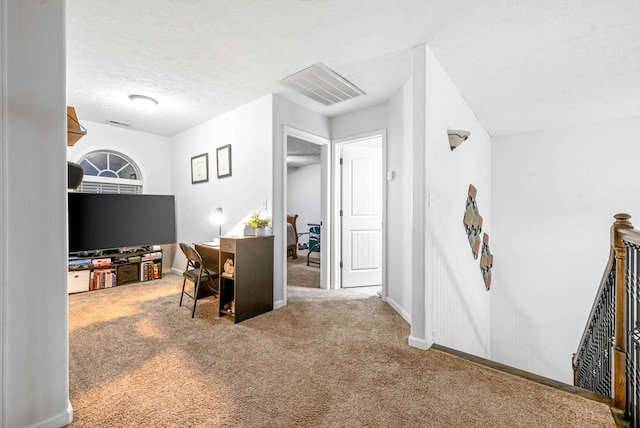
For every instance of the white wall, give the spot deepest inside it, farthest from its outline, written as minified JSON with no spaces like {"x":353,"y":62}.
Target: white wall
{"x":248,"y":130}
{"x":460,"y":305}
{"x":35,"y":361}
{"x":398,"y":198}
{"x":554,"y":197}
{"x":150,"y":152}
{"x":363,"y":121}
{"x":303,"y":196}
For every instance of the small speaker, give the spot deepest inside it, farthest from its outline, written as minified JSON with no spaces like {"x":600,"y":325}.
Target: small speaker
{"x":75,"y":173}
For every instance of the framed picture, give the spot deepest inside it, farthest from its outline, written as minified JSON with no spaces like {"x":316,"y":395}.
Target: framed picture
{"x":200,"y":168}
{"x":224,"y":161}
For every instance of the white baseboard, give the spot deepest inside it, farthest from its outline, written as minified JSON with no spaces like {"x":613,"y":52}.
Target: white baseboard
{"x":420,"y":343}
{"x":62,"y":419}
{"x":404,"y":314}
{"x":176,"y":271}
{"x":279,"y":304}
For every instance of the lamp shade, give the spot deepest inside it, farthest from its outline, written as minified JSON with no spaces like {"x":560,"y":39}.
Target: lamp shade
{"x":218,"y":217}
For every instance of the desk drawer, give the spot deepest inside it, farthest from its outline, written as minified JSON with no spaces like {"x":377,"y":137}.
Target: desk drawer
{"x":228,"y":245}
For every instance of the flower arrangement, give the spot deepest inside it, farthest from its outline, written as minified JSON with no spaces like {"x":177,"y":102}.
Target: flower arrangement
{"x":258,"y":223}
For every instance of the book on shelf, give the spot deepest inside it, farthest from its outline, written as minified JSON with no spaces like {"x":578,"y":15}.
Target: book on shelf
{"x":77,"y":264}
{"x":101,"y":262}
{"x":102,"y":278}
{"x":150,"y":270}
{"x":152,"y":256}
{"x":144,"y":271}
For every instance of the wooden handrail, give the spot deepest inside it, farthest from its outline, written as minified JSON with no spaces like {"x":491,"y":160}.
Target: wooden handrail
{"x":620,"y":227}
{"x":600,"y":363}
{"x":632,"y":236}
{"x":608,"y":358}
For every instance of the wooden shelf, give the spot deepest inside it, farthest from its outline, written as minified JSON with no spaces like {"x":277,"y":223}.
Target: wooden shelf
{"x":250,"y":290}
{"x":124,"y":267}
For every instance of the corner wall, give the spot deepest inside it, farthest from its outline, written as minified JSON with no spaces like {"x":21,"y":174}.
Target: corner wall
{"x":398,"y":196}
{"x":35,"y":338}
{"x":555,"y":194}
{"x":457,"y":302}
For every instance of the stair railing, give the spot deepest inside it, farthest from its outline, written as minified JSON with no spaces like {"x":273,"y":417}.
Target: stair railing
{"x":592,"y":364}
{"x":608,"y":357}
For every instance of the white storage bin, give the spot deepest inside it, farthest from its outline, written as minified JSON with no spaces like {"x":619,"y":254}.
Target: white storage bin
{"x":78,"y":281}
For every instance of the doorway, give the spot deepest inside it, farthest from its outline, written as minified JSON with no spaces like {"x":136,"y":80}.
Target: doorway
{"x":307,"y":196}
{"x":359,"y":197}
{"x":304,"y":215}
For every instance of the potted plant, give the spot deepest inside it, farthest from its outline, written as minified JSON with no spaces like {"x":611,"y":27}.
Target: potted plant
{"x":259,"y":224}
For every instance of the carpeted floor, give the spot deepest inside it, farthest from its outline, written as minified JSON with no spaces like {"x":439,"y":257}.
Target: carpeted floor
{"x":301,"y":275}
{"x":328,"y":359}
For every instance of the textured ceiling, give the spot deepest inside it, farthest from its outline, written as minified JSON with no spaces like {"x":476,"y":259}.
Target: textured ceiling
{"x":522,"y":66}
{"x":302,"y":153}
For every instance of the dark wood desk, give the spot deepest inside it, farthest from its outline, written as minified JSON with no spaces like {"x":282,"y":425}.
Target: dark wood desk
{"x":249,"y":292}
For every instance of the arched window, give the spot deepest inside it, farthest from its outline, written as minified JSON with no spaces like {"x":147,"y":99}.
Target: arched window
{"x":109,"y":172}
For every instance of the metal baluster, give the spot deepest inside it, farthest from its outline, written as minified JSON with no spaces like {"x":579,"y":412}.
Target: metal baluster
{"x":632,"y":288}
{"x":629,"y":285}
{"x":593,"y":361}
{"x":635,"y":336}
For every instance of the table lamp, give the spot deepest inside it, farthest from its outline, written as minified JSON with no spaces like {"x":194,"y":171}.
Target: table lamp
{"x":217,"y":217}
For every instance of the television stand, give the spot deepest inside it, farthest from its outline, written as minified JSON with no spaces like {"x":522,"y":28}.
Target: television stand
{"x":94,"y":270}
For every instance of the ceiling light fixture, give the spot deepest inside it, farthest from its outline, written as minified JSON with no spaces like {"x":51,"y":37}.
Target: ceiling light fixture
{"x":144,"y":103}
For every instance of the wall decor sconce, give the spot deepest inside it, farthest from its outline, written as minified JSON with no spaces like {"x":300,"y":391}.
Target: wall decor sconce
{"x":457,"y":137}
{"x":486,"y":262}
{"x":473,"y":221}
{"x":75,"y":131}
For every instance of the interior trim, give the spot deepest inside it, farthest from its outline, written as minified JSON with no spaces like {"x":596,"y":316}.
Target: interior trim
{"x":527,"y":375}
{"x":420,"y":343}
{"x":325,"y":270}
{"x":3,"y":211}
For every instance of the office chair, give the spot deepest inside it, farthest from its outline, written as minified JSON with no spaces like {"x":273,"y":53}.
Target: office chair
{"x":197,"y":273}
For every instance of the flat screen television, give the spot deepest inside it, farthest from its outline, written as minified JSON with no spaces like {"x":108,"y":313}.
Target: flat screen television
{"x":99,"y":221}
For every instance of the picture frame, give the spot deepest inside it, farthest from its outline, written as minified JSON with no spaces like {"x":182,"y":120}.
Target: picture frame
{"x":223,"y":156}
{"x":200,"y":168}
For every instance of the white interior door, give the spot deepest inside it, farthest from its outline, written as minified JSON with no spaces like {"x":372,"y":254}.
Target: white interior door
{"x":361,"y":209}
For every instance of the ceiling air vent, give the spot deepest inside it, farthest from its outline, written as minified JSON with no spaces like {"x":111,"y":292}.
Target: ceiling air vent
{"x":116,"y":123}
{"x":322,"y":84}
